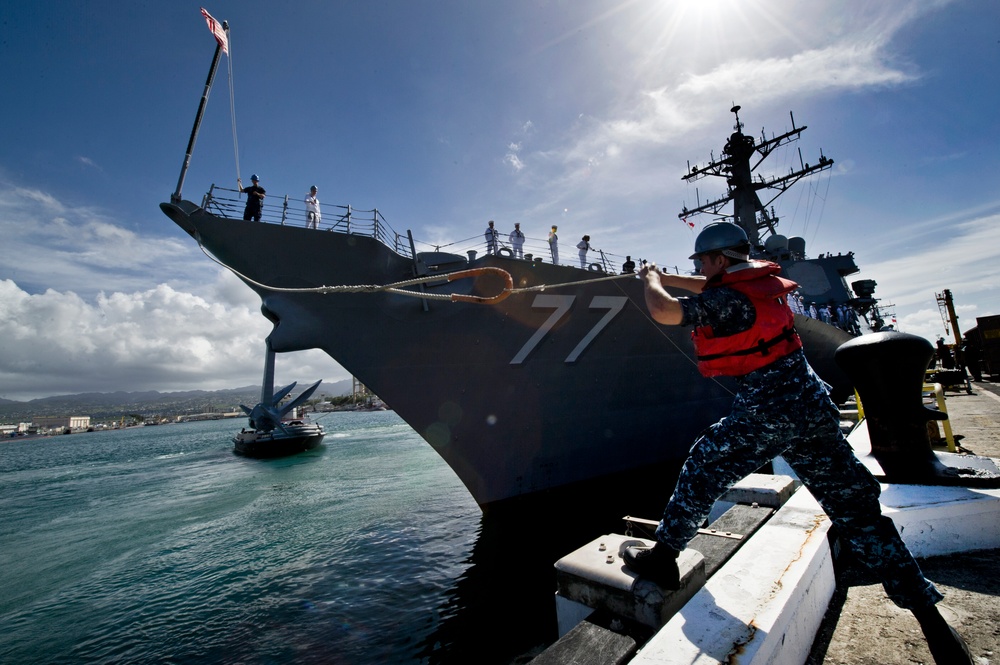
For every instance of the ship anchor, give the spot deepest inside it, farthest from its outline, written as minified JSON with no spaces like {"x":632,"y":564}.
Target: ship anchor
{"x":267,"y":414}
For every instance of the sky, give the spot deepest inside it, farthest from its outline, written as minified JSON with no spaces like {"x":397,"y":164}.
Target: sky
{"x":443,"y":115}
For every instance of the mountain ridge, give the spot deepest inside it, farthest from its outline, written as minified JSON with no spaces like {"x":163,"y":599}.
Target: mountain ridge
{"x":103,"y":406}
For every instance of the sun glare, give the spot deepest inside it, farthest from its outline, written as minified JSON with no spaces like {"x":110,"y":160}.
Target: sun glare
{"x":707,"y":30}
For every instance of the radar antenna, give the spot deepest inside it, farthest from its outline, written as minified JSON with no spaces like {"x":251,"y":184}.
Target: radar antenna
{"x":734,"y":165}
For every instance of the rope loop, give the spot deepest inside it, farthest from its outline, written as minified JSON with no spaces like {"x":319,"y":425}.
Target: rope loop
{"x":476,"y":272}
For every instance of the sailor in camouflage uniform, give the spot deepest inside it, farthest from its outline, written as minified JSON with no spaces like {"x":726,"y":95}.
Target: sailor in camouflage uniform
{"x":744,"y":329}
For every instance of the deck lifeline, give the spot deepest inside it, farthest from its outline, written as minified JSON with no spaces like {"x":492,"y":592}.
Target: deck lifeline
{"x":749,"y":613}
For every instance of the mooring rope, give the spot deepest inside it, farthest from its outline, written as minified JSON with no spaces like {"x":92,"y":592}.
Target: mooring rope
{"x":395,"y":287}
{"x":398,"y":287}
{"x":542,"y":287}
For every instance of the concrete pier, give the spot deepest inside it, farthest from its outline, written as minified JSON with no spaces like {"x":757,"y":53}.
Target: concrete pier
{"x":781,"y":599}
{"x":862,"y":626}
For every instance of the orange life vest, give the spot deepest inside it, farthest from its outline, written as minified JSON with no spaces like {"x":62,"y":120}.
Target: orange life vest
{"x":772,"y":335}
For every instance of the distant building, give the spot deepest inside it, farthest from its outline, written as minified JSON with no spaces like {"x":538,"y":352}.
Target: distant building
{"x":7,"y":431}
{"x":63,"y":422}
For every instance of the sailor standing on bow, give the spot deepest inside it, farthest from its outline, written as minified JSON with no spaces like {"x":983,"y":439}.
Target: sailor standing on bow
{"x":584,"y":247}
{"x":313,"y":217}
{"x":516,"y":239}
{"x":492,"y":235}
{"x":255,"y":198}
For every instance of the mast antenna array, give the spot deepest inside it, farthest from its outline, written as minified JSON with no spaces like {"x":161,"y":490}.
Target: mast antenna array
{"x":743,"y":185}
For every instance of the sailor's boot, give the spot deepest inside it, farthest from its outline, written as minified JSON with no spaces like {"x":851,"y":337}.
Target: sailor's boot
{"x":946,"y":645}
{"x":657,"y":564}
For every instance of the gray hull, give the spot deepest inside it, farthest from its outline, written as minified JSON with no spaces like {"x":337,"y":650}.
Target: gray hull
{"x":539,"y":392}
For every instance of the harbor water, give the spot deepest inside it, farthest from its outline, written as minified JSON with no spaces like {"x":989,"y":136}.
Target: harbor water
{"x":158,"y":544}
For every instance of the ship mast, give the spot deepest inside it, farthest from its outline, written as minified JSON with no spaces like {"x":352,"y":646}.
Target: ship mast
{"x":735,"y":167}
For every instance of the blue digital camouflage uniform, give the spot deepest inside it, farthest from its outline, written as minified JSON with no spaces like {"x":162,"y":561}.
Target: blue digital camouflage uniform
{"x":785,"y":409}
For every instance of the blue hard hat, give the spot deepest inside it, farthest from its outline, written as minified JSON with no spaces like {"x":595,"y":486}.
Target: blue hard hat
{"x":254,"y":177}
{"x":718,"y":236}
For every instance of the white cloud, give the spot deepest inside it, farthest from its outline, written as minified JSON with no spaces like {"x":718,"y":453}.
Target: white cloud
{"x":664,"y":114}
{"x":512,"y":157}
{"x":84,"y":249}
{"x":160,"y":339}
{"x":963,"y":257}
{"x":98,"y":316}
{"x":87,"y":161}
{"x":842,"y":66}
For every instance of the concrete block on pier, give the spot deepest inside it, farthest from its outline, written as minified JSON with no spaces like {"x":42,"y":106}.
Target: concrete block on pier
{"x":938,"y":519}
{"x":594,"y":577}
{"x":765,"y":605}
{"x":763,"y":489}
{"x":769,"y":490}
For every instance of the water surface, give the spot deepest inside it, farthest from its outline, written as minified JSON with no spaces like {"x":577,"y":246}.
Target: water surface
{"x":157,"y":544}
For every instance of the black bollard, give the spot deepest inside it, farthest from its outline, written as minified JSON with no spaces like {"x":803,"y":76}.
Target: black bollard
{"x":887,"y":369}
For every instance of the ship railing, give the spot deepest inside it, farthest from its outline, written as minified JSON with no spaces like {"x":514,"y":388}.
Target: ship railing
{"x":538,"y":249}
{"x":287,"y":211}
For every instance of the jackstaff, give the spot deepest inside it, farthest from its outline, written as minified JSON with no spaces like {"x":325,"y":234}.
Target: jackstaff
{"x":221,"y":34}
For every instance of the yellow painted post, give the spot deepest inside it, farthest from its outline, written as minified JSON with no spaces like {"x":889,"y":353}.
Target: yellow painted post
{"x":938,"y":391}
{"x":946,"y":424}
{"x":861,"y":410}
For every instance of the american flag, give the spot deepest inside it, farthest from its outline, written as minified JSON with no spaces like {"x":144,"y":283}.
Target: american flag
{"x":217,"y":30}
